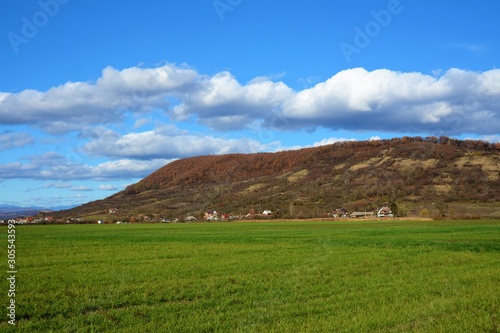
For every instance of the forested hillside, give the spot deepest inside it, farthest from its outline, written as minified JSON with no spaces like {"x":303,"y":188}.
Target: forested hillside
{"x":411,"y":172}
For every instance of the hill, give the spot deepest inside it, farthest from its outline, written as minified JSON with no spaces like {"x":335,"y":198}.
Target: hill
{"x":9,"y":211}
{"x":413,"y":174}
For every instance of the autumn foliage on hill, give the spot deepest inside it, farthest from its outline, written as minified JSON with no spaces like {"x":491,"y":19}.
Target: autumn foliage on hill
{"x":311,"y":181}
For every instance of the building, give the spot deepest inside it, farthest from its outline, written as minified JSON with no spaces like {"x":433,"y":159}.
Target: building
{"x":211,"y":215}
{"x":384,"y":212}
{"x":362,"y":214}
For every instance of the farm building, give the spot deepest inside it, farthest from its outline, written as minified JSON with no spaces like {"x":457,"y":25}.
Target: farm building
{"x":385,"y":212}
{"x":362,"y":214}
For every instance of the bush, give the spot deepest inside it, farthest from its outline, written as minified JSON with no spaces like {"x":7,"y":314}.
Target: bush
{"x":424,"y":213}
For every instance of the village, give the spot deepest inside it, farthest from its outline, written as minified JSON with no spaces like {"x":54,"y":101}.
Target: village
{"x":208,"y":216}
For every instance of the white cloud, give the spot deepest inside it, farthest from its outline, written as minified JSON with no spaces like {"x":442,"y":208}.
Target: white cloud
{"x":452,"y":103}
{"x":77,"y":196}
{"x":108,"y":188}
{"x":45,"y":186}
{"x":10,"y":140}
{"x":81,"y":189}
{"x":69,"y":106}
{"x":142,"y":122}
{"x":490,"y":138}
{"x":330,"y":141}
{"x":58,"y":185}
{"x":354,"y":99}
{"x":52,"y":166}
{"x":221,"y":102}
{"x":168,"y":142}
{"x":390,"y":101}
{"x":126,"y":168}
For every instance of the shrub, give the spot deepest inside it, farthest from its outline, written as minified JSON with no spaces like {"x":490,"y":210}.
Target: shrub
{"x":424,"y":213}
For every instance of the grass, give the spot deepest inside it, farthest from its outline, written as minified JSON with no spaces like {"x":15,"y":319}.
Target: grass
{"x":350,"y":276}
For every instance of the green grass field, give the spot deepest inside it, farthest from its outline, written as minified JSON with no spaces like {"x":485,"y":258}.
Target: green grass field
{"x":349,"y":276}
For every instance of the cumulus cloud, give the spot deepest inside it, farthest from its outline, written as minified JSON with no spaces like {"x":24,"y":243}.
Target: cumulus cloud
{"x":127,"y":168}
{"x":58,"y":185}
{"x":330,"y":141}
{"x":81,"y":189}
{"x":53,"y":166}
{"x":142,"y":122}
{"x":456,"y":102}
{"x":108,"y":188}
{"x":221,"y":102}
{"x":67,"y":107}
{"x":10,"y":140}
{"x":452,"y":103}
{"x":168,"y":142}
{"x":383,"y":100}
{"x":50,"y":185}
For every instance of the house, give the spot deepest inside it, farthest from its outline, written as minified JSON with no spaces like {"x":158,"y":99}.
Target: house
{"x":75,"y":219}
{"x":362,"y":214}
{"x":113,"y":210}
{"x":339,"y":212}
{"x":385,"y":212}
{"x":211,"y":215}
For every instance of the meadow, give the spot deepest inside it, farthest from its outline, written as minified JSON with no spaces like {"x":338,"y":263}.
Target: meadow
{"x":310,"y":276}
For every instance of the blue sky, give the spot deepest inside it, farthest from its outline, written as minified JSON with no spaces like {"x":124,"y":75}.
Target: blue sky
{"x":96,"y":95}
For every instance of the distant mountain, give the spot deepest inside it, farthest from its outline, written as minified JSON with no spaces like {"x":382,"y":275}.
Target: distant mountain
{"x":413,"y":172}
{"x":59,"y":208}
{"x":10,"y":211}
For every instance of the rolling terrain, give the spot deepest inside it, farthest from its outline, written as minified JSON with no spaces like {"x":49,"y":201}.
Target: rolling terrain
{"x":418,"y":176}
